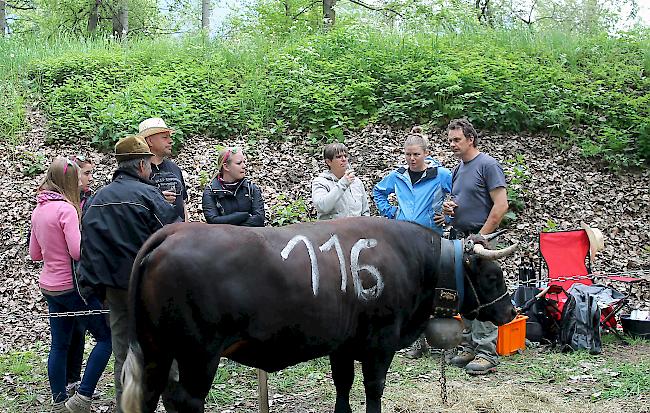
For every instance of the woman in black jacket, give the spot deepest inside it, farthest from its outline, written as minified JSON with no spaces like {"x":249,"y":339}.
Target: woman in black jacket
{"x":231,"y":198}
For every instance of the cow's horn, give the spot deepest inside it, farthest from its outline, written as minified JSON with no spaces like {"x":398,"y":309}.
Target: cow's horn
{"x":494,"y":254}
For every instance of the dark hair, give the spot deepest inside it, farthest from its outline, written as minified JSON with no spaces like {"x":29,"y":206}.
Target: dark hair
{"x":467,"y":128}
{"x":332,"y":149}
{"x":133,"y":165}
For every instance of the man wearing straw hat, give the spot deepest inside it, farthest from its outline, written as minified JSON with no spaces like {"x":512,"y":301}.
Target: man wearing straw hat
{"x":167,"y":176}
{"x":123,"y":214}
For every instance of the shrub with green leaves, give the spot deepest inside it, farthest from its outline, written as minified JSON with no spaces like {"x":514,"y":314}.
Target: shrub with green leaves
{"x":590,"y":91}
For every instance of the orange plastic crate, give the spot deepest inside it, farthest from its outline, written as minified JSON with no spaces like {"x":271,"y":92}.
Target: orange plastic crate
{"x":512,"y":336}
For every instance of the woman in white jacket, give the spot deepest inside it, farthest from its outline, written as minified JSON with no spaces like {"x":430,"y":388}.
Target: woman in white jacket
{"x":337,"y":192}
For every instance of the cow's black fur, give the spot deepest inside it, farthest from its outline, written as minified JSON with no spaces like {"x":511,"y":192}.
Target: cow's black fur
{"x":201,"y":292}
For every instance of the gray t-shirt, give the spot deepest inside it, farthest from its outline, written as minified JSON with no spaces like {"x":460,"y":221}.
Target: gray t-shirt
{"x":471,"y":185}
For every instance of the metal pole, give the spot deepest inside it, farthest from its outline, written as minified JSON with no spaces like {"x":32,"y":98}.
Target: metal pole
{"x":263,"y":390}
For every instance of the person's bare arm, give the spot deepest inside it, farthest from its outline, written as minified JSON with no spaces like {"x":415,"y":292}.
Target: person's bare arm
{"x":500,"y":199}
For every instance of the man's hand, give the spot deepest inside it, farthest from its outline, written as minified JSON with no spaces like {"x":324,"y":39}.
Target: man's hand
{"x":439,"y":219}
{"x":448,"y":208}
{"x":169,"y":196}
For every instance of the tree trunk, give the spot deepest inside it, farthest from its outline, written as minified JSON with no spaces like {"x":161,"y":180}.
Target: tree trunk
{"x":205,"y":15}
{"x":93,"y":18}
{"x":329,"y":14}
{"x":121,"y":20}
{"x":3,"y":18}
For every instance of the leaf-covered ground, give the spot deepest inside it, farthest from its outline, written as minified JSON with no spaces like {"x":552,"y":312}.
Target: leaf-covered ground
{"x":558,"y":187}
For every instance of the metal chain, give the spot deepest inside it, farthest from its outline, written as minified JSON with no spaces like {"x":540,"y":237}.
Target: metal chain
{"x":73,"y":313}
{"x":443,"y":379}
{"x":587,"y":276}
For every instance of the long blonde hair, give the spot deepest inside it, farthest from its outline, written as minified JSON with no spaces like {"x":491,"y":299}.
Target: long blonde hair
{"x":63,"y":177}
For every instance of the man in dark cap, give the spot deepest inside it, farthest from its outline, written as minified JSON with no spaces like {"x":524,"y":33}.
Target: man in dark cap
{"x":121,"y":217}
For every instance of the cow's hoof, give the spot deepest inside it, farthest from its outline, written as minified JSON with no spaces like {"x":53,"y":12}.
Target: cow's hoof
{"x":480,"y":366}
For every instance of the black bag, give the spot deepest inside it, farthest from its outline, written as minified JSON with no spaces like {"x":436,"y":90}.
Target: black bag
{"x":580,"y":323}
{"x":541,"y":327}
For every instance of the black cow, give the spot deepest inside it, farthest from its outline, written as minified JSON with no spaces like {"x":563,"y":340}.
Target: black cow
{"x":353,"y":289}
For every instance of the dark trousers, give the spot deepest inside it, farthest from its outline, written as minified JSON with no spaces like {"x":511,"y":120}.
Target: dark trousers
{"x":61,"y":330}
{"x":76,"y":351}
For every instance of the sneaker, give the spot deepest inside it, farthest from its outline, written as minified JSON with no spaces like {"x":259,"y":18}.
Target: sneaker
{"x":461,"y":359}
{"x":60,"y":408}
{"x":418,"y":349}
{"x":78,"y":404}
{"x":480,"y":366}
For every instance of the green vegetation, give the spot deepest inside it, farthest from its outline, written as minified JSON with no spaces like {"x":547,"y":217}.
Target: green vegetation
{"x":287,"y":212}
{"x":590,"y":91}
{"x":611,"y":379}
{"x":620,"y":373}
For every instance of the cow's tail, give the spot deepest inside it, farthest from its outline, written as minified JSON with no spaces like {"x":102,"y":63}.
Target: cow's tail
{"x":131,"y":401}
{"x":132,"y":370}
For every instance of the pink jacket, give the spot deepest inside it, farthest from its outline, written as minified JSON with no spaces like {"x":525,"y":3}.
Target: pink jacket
{"x":55,"y":239}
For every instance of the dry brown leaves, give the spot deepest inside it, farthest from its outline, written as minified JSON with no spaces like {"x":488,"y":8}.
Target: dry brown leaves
{"x":563,"y":187}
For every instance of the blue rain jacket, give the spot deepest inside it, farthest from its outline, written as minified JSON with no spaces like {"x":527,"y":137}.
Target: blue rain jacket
{"x":419,"y":202}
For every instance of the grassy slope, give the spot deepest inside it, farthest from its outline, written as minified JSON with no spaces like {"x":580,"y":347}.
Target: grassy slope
{"x":594,"y":90}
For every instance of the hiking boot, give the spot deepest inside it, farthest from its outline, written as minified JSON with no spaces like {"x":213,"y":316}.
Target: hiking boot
{"x":60,"y":408}
{"x":418,"y":349}
{"x":78,"y":404}
{"x":480,"y":366}
{"x":461,"y":359}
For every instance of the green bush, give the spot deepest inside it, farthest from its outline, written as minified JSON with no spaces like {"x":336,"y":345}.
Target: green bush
{"x":591,"y":90}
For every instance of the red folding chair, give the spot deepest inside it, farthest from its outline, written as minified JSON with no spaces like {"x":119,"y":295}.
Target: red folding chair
{"x":566,"y":259}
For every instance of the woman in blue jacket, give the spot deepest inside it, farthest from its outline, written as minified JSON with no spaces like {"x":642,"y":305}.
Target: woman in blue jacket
{"x":420,"y":186}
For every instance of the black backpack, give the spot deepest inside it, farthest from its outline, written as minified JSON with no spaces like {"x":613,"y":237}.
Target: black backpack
{"x":580,"y":323}
{"x":541,"y":327}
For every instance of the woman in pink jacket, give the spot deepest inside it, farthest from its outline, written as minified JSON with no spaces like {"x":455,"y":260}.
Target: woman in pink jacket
{"x":55,"y":239}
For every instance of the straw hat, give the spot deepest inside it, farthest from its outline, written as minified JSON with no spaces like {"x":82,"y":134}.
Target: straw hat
{"x":596,"y":239}
{"x":152,"y":126}
{"x":132,"y":147}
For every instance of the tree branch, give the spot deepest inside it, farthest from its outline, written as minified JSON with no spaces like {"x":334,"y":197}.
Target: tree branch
{"x":368,"y":6}
{"x":306,"y":9}
{"x":16,"y":7}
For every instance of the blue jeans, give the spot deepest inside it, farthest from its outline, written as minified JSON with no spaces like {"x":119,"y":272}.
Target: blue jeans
{"x":61,"y":330}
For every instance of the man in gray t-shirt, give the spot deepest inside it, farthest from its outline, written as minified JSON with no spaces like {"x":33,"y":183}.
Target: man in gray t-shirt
{"x":473,"y":184}
{"x":480,"y":202}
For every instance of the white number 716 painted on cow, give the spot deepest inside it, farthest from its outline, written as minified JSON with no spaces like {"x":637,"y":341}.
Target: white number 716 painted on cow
{"x":362,"y":293}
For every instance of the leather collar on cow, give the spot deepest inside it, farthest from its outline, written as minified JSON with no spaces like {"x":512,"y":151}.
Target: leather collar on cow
{"x":450,"y":291}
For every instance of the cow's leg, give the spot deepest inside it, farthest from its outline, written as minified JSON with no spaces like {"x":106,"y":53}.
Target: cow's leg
{"x":343,"y":376}
{"x":154,"y":379}
{"x":375,"y":366}
{"x":196,"y":373}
